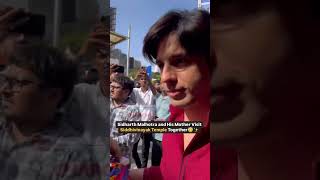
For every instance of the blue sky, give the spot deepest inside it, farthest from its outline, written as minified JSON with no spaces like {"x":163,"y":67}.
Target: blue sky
{"x":141,"y":14}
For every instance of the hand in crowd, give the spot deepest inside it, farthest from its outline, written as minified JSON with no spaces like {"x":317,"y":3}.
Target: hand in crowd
{"x":7,"y":19}
{"x":97,"y":45}
{"x":96,"y":41}
{"x":112,"y":68}
{"x":115,"y":149}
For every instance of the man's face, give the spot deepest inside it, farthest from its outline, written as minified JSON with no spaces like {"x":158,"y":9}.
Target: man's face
{"x":185,"y":78}
{"x":117,"y":92}
{"x":251,"y":50}
{"x":162,"y":89}
{"x":143,"y":81}
{"x":20,"y":93}
{"x":157,"y":87}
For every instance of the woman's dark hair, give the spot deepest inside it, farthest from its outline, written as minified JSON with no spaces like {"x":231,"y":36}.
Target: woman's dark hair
{"x":191,"y":27}
{"x":125,"y":82}
{"x":50,"y":65}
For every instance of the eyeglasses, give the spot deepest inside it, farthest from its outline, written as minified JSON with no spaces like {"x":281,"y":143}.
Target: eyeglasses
{"x":115,"y":87}
{"x":14,"y":84}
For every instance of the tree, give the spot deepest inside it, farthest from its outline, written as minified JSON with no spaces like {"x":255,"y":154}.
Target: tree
{"x":73,"y":40}
{"x":156,"y":75}
{"x":133,"y":73}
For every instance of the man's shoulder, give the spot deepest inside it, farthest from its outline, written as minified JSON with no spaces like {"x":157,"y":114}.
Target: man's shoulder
{"x":69,"y":141}
{"x":84,"y":87}
{"x":75,"y":153}
{"x":85,"y":93}
{"x":75,"y":145}
{"x":164,"y":98}
{"x":158,"y":95}
{"x":132,"y":107}
{"x":136,"y":90}
{"x":61,"y":132}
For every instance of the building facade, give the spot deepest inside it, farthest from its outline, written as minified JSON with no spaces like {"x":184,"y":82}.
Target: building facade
{"x":204,"y":4}
{"x":118,"y":57}
{"x":113,"y":19}
{"x":79,"y":15}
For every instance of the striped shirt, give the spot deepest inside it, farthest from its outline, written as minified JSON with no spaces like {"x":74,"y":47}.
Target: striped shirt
{"x":56,"y":153}
{"x":126,"y":112}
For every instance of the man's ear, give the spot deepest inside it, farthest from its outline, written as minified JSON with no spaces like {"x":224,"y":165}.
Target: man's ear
{"x":127,"y":92}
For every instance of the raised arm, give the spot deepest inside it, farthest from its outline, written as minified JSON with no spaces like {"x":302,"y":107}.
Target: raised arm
{"x":97,"y":47}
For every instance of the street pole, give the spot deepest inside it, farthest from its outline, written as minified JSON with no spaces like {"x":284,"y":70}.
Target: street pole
{"x":56,"y":22}
{"x":128,"y":55}
{"x":199,"y":4}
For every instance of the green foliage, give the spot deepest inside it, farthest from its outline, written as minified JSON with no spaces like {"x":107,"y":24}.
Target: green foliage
{"x":74,"y":40}
{"x":133,"y":72}
{"x":156,"y":75}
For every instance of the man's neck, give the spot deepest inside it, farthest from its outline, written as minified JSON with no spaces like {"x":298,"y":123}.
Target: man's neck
{"x":118,"y":102}
{"x":195,"y":113}
{"x":22,"y":131}
{"x":144,"y":89}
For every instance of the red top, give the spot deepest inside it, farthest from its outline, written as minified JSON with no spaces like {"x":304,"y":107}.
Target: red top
{"x":176,"y":164}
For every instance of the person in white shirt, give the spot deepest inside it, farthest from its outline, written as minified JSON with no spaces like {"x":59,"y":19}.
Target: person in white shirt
{"x":145,"y":98}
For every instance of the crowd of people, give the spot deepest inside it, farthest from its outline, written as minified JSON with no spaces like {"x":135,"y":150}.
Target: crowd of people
{"x":147,"y":102}
{"x":53,"y":126}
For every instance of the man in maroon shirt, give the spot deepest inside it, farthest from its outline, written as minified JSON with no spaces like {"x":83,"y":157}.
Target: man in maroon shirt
{"x":266,"y":87}
{"x":179,"y":43}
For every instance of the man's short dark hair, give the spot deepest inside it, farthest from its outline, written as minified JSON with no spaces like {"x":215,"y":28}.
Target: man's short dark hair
{"x":50,"y":65}
{"x":191,"y":27}
{"x":125,"y":82}
{"x":119,"y":69}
